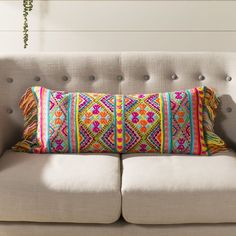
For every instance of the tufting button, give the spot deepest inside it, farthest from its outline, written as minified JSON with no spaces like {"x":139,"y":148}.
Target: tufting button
{"x":91,"y":77}
{"x":120,"y":78}
{"x":37,"y":78}
{"x":201,"y":77}
{"x":174,"y":77}
{"x":9,"y":80}
{"x":229,"y":109}
{"x":65,"y":78}
{"x":228,"y":78}
{"x":146,"y":77}
{"x":9,"y":110}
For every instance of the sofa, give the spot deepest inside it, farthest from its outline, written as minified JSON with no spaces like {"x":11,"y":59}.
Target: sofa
{"x":111,"y":194}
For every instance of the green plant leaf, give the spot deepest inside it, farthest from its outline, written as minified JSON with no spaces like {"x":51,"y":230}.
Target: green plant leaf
{"x":27,"y":7}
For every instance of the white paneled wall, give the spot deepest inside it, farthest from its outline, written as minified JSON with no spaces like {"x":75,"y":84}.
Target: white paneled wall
{"x":120,"y":25}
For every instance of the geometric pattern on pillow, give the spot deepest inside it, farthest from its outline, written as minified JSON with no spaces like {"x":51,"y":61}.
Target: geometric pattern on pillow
{"x":77,"y":122}
{"x":178,"y":122}
{"x":142,"y":123}
{"x":96,"y":123}
{"x":165,"y":123}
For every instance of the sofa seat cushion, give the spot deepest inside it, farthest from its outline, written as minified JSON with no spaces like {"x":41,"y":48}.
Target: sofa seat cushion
{"x":60,"y":187}
{"x":179,"y":189}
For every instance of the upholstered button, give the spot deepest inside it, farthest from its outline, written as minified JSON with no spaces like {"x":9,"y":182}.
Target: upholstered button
{"x":228,"y":78}
{"x":120,"y":78}
{"x":174,"y":77}
{"x":9,"y":110}
{"x":9,"y":80}
{"x":201,"y":77}
{"x":91,"y":77}
{"x":37,"y":78}
{"x":146,"y":77}
{"x":229,"y":109}
{"x":65,"y":78}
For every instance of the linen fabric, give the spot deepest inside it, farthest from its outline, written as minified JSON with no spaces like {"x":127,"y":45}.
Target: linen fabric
{"x":179,"y":189}
{"x":172,"y":122}
{"x":78,"y":188}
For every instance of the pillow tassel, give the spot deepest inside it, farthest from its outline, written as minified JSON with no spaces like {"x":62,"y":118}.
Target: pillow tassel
{"x":29,"y":107}
{"x":214,"y":142}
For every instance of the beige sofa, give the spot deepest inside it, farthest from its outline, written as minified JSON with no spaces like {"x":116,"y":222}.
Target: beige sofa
{"x":106,"y":195}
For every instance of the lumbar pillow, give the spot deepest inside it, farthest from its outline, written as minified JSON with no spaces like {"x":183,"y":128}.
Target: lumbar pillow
{"x":175,"y":122}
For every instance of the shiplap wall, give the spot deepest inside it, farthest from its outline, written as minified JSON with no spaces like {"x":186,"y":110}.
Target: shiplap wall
{"x":62,"y":25}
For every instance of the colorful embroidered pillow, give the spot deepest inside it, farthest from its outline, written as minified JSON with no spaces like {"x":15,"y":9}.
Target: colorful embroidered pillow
{"x":57,"y":121}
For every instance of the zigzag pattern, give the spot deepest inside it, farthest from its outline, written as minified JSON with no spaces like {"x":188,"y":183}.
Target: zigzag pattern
{"x":176,"y":122}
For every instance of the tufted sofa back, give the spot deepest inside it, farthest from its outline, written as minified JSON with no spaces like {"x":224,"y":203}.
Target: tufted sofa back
{"x":125,"y":73}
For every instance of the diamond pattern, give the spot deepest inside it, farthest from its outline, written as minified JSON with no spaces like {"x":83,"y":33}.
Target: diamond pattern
{"x":58,"y":122}
{"x":97,"y":121}
{"x":142,"y":118}
{"x":180,"y":122}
